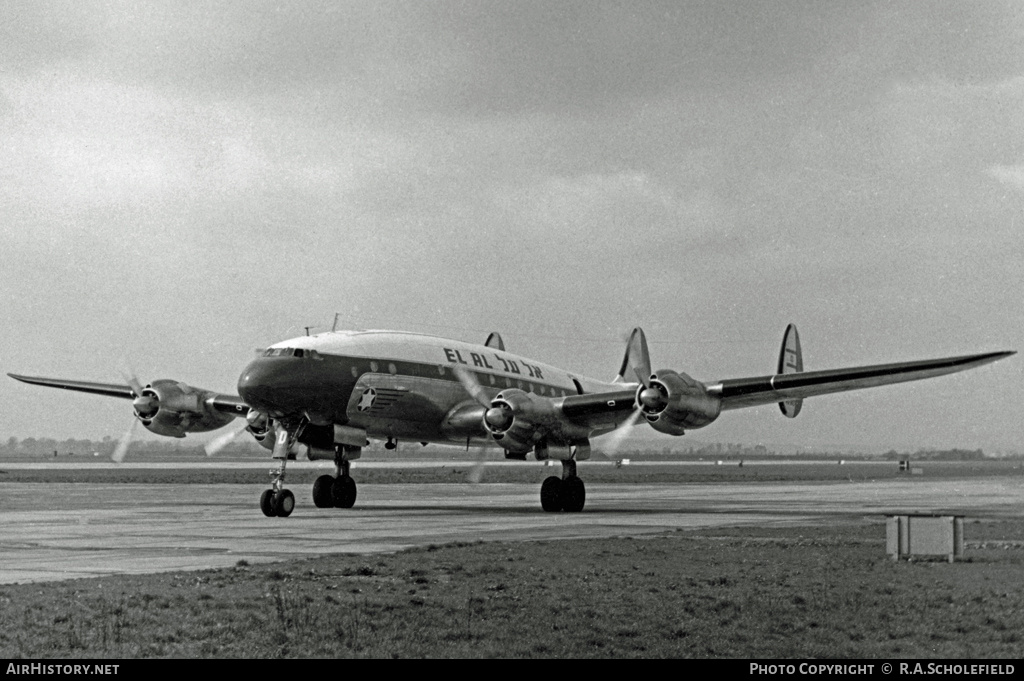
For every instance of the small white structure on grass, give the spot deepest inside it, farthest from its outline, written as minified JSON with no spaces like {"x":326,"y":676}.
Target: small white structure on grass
{"x":924,"y":535}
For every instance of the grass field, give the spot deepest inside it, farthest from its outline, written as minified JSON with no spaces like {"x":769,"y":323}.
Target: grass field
{"x":751,"y":592}
{"x":782,"y":593}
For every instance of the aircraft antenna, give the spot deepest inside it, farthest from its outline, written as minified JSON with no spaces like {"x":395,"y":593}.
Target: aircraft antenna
{"x":334,"y":327}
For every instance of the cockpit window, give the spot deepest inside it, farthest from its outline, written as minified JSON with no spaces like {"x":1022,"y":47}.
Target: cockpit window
{"x":292,"y":352}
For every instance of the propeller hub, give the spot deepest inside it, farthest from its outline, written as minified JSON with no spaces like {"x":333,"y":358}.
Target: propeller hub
{"x":146,"y":406}
{"x":498,"y":418}
{"x":651,"y":399}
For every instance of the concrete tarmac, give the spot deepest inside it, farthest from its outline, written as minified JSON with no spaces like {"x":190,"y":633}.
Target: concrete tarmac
{"x":72,"y":530}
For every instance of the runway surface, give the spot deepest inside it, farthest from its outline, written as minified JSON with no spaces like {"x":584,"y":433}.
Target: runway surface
{"x":72,"y":530}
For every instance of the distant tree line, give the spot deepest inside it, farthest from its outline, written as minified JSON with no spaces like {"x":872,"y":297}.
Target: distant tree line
{"x":936,"y":455}
{"x":246,"y":446}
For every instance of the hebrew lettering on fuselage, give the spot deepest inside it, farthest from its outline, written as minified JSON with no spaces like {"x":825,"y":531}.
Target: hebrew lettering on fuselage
{"x":509,"y":366}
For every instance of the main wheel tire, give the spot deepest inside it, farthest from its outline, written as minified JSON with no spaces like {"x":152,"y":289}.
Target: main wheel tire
{"x":551,"y":494}
{"x":343,"y":492}
{"x":284,"y":503}
{"x":322,"y":491}
{"x":267,"y":503}
{"x":574,"y":494}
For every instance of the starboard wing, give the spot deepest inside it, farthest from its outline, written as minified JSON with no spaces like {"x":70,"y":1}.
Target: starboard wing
{"x":223,"y":403}
{"x":106,"y":389}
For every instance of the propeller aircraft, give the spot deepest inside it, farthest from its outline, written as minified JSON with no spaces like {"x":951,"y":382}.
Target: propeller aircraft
{"x":332,"y":392}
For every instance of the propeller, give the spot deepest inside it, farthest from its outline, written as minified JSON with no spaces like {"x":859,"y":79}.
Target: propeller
{"x":217,"y":444}
{"x":145,"y":406}
{"x":652,"y":396}
{"x":256,"y":422}
{"x":476,"y":473}
{"x":498,"y":417}
{"x":122,"y":445}
{"x":615,"y":439}
{"x":471,"y":385}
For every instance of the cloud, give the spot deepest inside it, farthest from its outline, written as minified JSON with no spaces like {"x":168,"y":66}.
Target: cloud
{"x":74,"y":141}
{"x":612,"y":211}
{"x":1010,"y":175}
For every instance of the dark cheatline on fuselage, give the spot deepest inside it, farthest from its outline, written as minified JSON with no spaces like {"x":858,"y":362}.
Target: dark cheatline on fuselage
{"x":335,"y":387}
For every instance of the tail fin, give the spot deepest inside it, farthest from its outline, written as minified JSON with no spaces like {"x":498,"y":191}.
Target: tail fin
{"x":791,"y":361}
{"x":636,"y":365}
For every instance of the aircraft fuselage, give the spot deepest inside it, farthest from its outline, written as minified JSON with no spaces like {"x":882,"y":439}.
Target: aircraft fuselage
{"x":390,"y":384}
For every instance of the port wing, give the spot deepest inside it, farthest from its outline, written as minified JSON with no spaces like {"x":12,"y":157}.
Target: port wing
{"x":750,"y":392}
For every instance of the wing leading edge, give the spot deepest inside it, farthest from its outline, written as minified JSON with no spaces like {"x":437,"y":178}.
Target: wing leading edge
{"x":750,"y":392}
{"x":223,"y":403}
{"x":106,"y":389}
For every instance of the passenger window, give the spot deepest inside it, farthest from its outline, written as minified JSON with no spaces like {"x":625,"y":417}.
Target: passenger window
{"x":392,"y":369}
{"x":373,"y":366}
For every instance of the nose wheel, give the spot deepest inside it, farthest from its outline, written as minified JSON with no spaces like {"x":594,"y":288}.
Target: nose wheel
{"x":279,"y":503}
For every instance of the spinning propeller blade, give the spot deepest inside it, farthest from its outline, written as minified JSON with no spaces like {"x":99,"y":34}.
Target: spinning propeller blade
{"x":218,"y":443}
{"x":124,"y":443}
{"x":472,"y":385}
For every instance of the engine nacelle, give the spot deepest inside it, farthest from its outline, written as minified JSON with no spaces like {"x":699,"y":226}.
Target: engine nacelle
{"x":673,"y":403}
{"x":519,"y":421}
{"x":173,"y":409}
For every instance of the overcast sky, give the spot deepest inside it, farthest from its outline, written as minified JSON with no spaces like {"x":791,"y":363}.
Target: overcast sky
{"x":182,"y":184}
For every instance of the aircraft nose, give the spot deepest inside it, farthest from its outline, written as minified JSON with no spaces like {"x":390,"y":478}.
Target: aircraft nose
{"x":254,"y":383}
{"x":277,"y":384}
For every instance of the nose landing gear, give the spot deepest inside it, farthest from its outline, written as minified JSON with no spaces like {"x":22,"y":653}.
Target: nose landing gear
{"x":278,"y":501}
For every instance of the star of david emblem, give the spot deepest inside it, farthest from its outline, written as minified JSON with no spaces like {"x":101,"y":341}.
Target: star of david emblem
{"x":366,"y":401}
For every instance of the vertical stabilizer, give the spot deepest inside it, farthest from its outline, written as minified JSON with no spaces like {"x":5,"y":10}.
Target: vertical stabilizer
{"x":636,"y":365}
{"x":791,"y":361}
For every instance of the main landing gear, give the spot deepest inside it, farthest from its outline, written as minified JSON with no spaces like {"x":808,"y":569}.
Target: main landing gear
{"x":338,"y":490}
{"x":563,"y":494}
